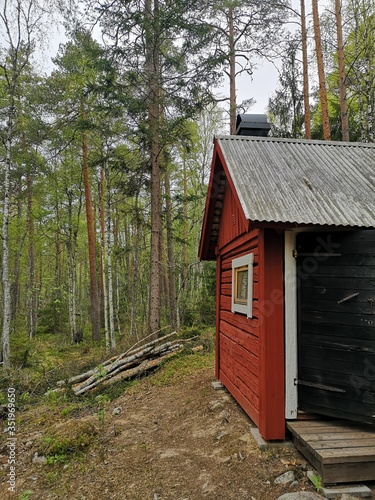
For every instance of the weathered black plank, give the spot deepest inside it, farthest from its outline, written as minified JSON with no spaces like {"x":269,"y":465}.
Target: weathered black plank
{"x":337,"y":271}
{"x":349,"y":343}
{"x":350,"y":333}
{"x":336,"y":318}
{"x":351,"y":306}
{"x":326,"y":407}
{"x":332,"y":354}
{"x":335,"y":282}
{"x":329,"y":293}
{"x":337,"y":324}
{"x":325,"y":364}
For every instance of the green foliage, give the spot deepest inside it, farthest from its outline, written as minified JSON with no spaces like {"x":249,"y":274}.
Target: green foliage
{"x":285,"y":108}
{"x":25,"y":495}
{"x":317,"y":482}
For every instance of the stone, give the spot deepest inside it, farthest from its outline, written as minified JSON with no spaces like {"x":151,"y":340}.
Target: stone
{"x":247,"y":438}
{"x":347,"y":492}
{"x":217,"y":385}
{"x":285,"y":478}
{"x":224,"y":415}
{"x":215,"y":405}
{"x":301,"y":495}
{"x":39,"y":460}
{"x":117,"y":411}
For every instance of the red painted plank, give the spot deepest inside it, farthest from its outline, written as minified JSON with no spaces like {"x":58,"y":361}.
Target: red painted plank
{"x":244,"y":243}
{"x":244,"y":324}
{"x":272,"y":376}
{"x":237,"y":393}
{"x":241,"y":377}
{"x":232,"y":219}
{"x":239,"y":355}
{"x":237,"y":334}
{"x":218,"y":307}
{"x":240,"y":380}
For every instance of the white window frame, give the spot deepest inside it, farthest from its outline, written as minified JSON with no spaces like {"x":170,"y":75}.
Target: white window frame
{"x":248,"y":261}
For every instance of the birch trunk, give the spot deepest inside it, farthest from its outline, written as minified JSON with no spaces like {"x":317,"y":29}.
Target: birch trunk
{"x":170,"y":252}
{"x":7,"y":313}
{"x":30,"y":230}
{"x":104,"y":259}
{"x":109,"y":243}
{"x":135,"y":271}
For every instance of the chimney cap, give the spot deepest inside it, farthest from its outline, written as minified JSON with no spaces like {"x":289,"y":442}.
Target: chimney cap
{"x":255,"y":125}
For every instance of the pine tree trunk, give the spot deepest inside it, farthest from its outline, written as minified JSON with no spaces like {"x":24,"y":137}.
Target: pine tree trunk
{"x":305,"y":64}
{"x":232,"y":74}
{"x":342,"y":74}
{"x":94,"y":295}
{"x":152,"y":71}
{"x":321,"y":76}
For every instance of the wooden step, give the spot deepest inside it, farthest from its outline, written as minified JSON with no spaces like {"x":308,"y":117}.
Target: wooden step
{"x":340,"y":451}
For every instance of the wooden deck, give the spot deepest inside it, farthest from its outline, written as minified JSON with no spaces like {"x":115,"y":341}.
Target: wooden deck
{"x":339,"y":450}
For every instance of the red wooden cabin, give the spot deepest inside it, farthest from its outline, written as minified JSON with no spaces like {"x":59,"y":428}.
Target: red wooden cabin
{"x":274,"y":333}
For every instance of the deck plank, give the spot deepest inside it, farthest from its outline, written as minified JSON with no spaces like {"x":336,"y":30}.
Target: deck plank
{"x":339,"y":450}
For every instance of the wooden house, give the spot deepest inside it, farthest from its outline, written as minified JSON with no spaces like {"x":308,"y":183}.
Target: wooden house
{"x":290,"y":224}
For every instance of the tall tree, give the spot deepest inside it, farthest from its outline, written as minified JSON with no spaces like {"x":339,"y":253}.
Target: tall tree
{"x":321,"y":74}
{"x":20,"y":22}
{"x":306,"y":99}
{"x":173,"y":81}
{"x":243,"y":31}
{"x":76,"y":81}
{"x":342,"y":72}
{"x":286,"y":106}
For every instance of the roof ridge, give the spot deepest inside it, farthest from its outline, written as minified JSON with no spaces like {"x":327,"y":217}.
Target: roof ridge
{"x":295,"y":141}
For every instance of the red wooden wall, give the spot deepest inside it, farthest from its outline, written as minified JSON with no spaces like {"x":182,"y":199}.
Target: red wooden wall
{"x":250,"y":351}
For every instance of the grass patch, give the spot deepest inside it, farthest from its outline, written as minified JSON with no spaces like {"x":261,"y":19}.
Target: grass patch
{"x":68,"y":439}
{"x":181,"y":366}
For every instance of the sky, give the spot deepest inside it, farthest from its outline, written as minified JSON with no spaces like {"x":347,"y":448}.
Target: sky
{"x":264,"y":81}
{"x":261,"y":86}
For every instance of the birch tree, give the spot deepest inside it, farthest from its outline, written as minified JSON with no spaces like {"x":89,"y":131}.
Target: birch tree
{"x":20,"y":23}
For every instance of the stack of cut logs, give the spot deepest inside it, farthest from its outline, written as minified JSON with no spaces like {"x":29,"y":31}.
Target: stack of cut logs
{"x":134,"y":362}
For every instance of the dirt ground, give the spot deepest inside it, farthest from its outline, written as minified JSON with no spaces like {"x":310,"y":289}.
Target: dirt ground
{"x":180,"y":441}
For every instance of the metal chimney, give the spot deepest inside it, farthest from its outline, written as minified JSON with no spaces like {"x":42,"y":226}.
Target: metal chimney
{"x":255,"y":125}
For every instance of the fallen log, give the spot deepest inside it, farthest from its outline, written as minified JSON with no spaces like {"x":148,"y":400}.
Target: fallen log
{"x":97,"y":371}
{"x":127,"y":363}
{"x":102,"y":372}
{"x":144,"y":367}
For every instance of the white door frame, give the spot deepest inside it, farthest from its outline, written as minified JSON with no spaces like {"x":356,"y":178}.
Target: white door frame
{"x":290,"y":315}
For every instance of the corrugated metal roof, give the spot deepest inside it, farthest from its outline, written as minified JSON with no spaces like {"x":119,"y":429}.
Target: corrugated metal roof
{"x":300,"y":181}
